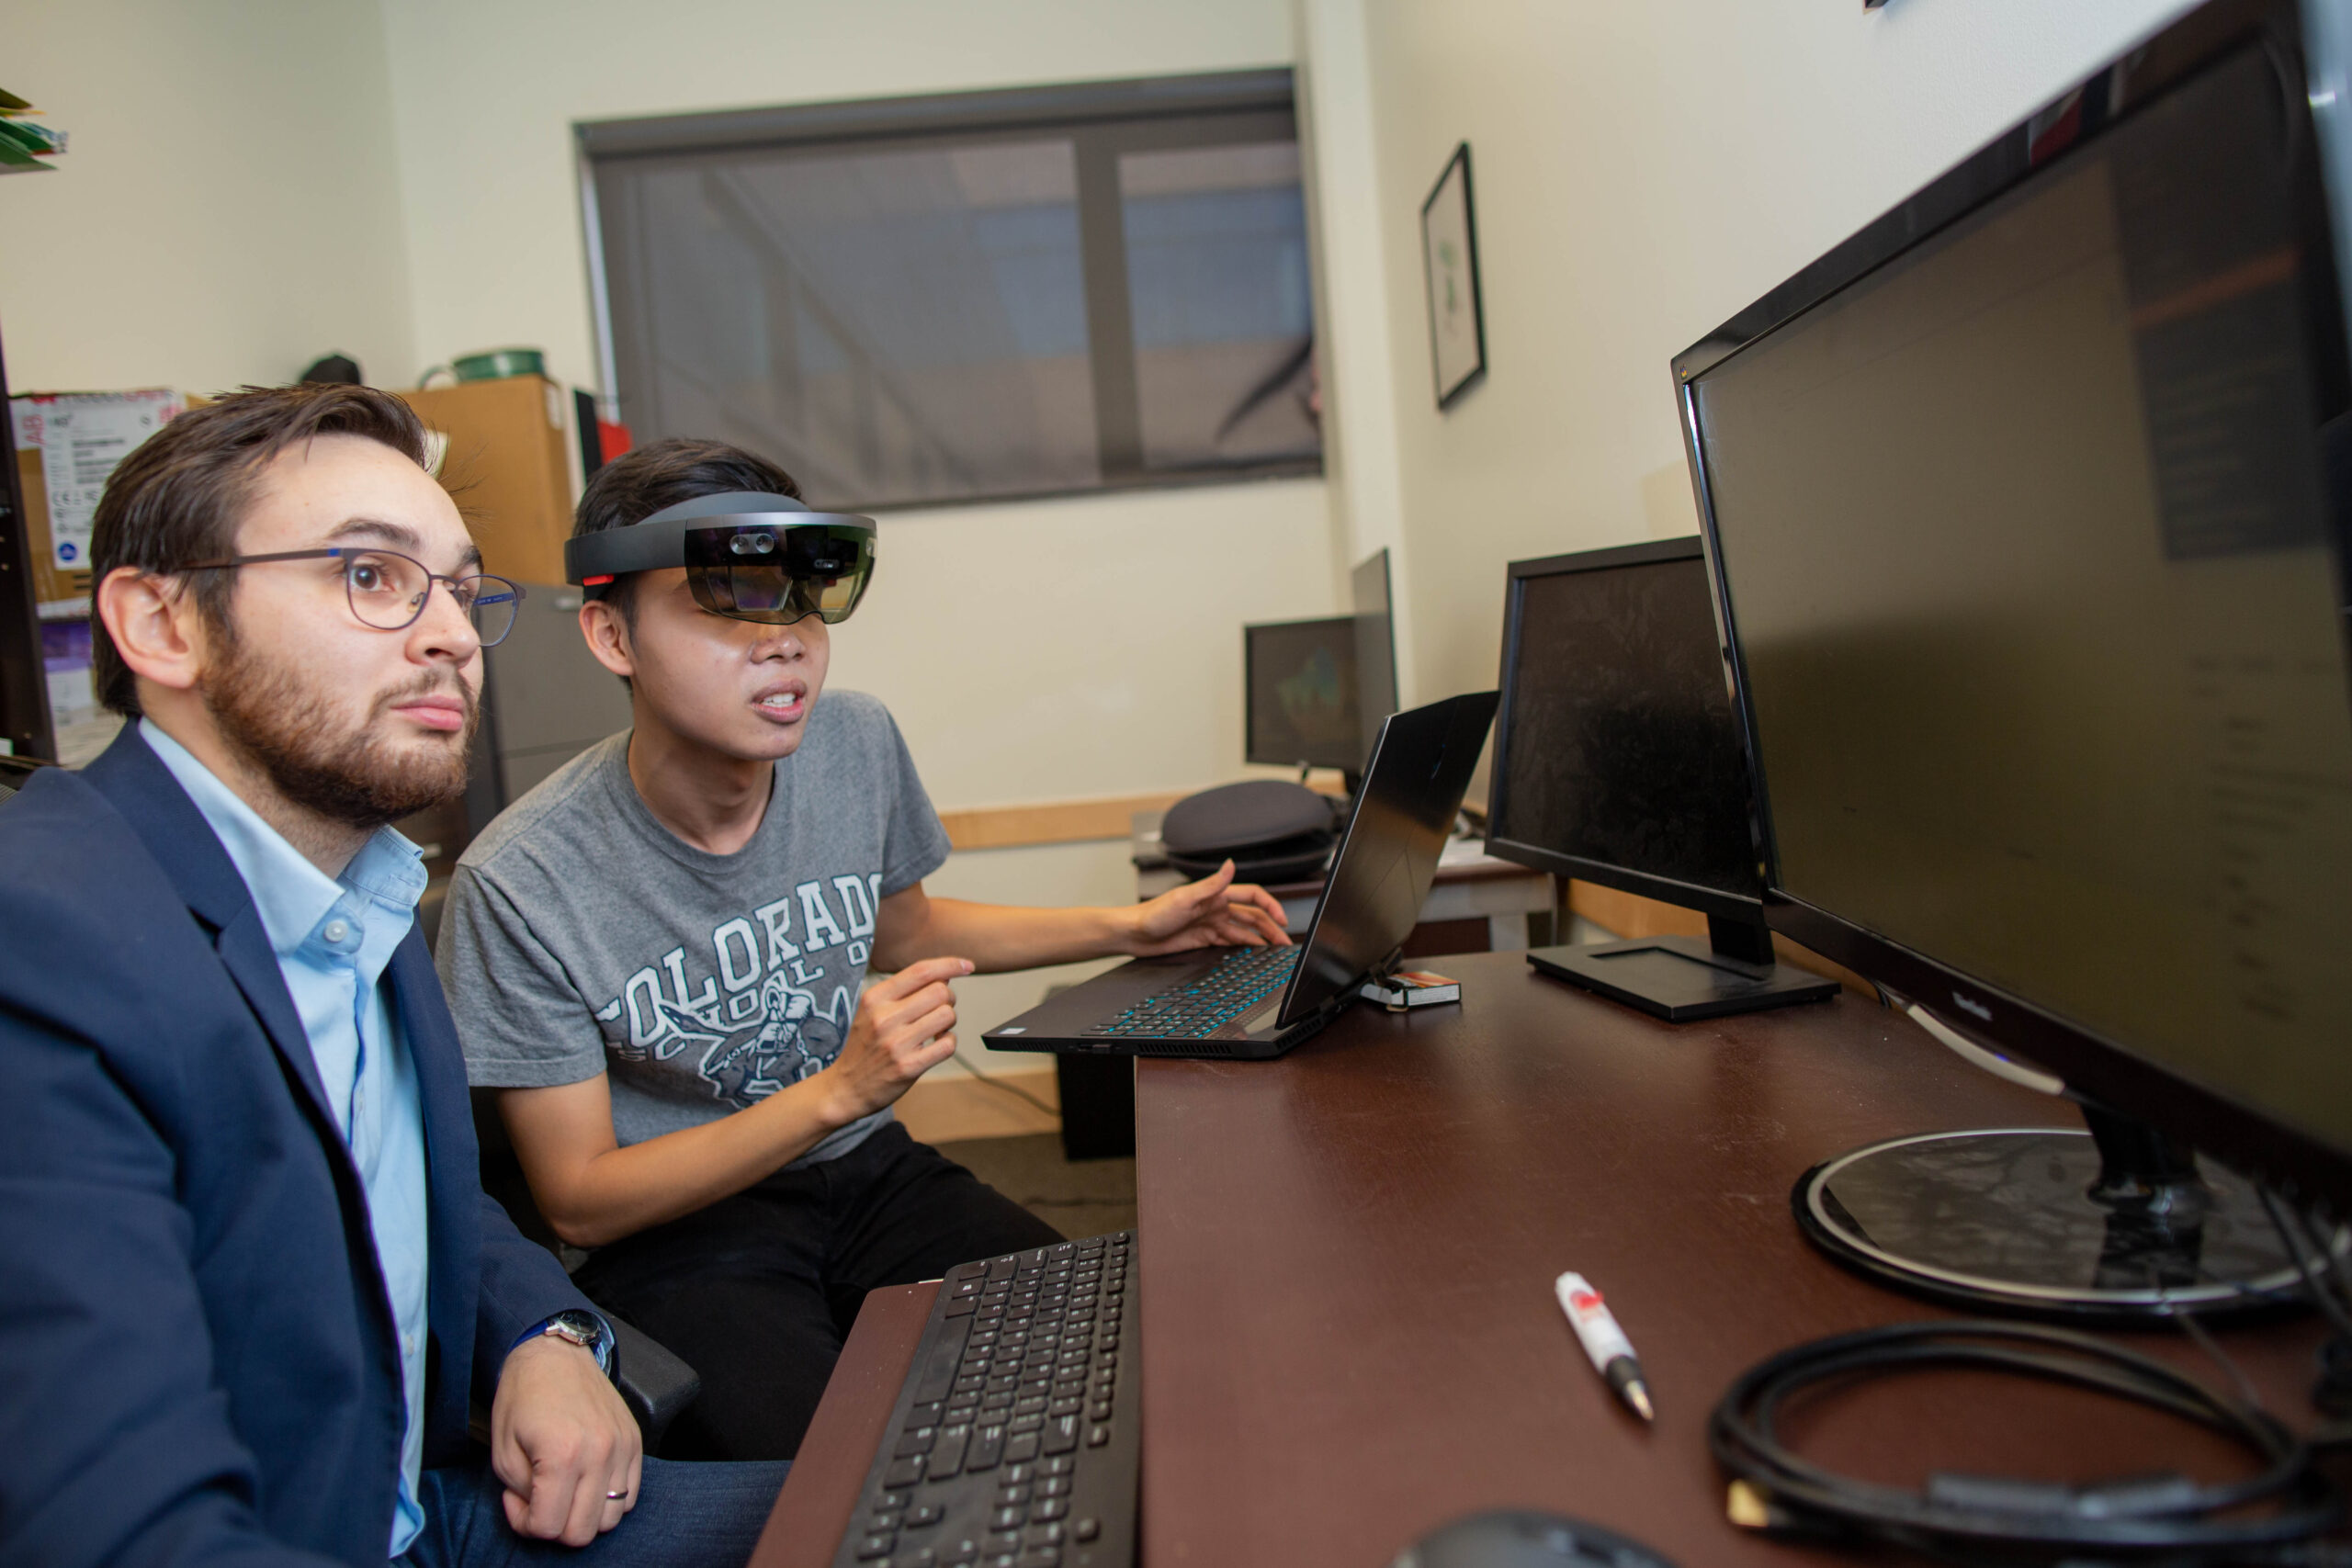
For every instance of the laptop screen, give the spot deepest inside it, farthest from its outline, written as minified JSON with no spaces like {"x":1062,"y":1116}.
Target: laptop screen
{"x":1420,"y":768}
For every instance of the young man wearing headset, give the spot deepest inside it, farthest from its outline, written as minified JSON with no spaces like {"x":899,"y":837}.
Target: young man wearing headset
{"x":657,"y":954}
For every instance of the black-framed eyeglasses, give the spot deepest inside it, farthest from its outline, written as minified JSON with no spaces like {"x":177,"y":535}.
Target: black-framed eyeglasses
{"x":387,"y":590}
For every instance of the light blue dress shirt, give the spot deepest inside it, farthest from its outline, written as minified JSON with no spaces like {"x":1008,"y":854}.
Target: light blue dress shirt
{"x":332,"y":937}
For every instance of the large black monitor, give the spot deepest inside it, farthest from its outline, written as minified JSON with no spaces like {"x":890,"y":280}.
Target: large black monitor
{"x":2032,"y":558}
{"x":1617,"y":761}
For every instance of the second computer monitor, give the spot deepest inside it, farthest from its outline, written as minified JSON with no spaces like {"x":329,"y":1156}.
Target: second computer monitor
{"x":1617,"y":761}
{"x":1300,"y":682}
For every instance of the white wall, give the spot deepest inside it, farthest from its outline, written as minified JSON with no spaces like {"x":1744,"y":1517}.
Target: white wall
{"x":228,"y":209}
{"x":1642,"y":172}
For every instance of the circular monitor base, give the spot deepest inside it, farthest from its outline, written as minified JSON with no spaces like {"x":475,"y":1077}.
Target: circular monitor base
{"x":2001,"y":1219}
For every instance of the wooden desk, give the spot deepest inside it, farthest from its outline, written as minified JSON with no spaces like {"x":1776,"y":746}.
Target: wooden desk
{"x":1349,"y":1331}
{"x":1346,"y":1263}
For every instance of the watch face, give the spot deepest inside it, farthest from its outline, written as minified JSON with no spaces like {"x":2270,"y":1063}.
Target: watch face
{"x":577,"y":1326}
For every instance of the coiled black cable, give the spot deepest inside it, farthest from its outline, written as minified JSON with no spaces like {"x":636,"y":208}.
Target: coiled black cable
{"x":1965,"y":1517}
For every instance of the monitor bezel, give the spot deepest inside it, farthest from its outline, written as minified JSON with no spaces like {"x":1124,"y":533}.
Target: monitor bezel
{"x":1707,"y":900}
{"x":2231,"y":1128}
{"x":1250,"y":694}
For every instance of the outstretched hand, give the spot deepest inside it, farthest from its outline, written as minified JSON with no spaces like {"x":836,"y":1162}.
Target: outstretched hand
{"x":1216,"y":911}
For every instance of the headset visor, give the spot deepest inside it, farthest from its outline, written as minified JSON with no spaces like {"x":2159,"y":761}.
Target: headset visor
{"x":778,"y":573}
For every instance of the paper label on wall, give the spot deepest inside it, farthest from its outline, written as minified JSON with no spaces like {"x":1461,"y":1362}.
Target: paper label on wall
{"x":81,"y":437}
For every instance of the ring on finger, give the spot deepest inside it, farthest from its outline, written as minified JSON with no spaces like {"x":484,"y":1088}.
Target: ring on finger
{"x":616,"y":1496}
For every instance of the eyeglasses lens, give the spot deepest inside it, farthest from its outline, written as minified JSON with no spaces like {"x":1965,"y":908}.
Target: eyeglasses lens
{"x":491,"y":601}
{"x":388,"y":592}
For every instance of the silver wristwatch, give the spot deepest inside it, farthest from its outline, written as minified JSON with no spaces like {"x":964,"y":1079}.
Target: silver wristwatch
{"x":584,"y":1330}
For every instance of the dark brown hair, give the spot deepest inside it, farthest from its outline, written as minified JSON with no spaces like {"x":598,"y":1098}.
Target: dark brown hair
{"x":639,"y":483}
{"x":180,"y":494}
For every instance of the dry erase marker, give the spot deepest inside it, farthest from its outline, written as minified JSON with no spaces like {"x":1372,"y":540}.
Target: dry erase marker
{"x":1611,"y":1352}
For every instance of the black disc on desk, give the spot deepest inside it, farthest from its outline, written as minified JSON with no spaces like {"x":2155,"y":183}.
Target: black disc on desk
{"x":2002,"y":1219}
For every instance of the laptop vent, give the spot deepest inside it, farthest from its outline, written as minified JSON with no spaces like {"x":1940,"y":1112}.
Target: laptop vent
{"x":1189,"y":1048}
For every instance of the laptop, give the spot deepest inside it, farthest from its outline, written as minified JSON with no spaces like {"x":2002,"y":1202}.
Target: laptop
{"x":1258,"y":1002}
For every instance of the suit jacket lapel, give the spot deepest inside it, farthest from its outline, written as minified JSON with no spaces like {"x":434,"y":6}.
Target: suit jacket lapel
{"x":452,"y":1167}
{"x":132,"y":776}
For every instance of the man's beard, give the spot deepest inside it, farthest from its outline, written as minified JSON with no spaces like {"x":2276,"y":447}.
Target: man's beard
{"x":355,"y":777}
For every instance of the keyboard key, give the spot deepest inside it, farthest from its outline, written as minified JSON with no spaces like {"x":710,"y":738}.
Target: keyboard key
{"x":924,"y":1514}
{"x":1049,"y":1508}
{"x":1086,"y":1529}
{"x":874,"y":1546}
{"x":1061,"y":1435}
{"x":947,"y":1456}
{"x":1021,"y":1445}
{"x":917,"y":1442}
{"x":1042,"y":1535}
{"x":1041,"y":1557}
{"x":903,"y":1472}
{"x":1053,"y":1486}
{"x":1097,"y":1436}
{"x":924,"y":1415}
{"x":1011,"y":1519}
{"x":921,"y":1557}
{"x":1011,"y":1497}
{"x":988,"y":1444}
{"x":1061,"y":1466}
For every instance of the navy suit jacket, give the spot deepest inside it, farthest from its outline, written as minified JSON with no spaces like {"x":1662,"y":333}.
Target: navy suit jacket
{"x":197,"y":1360}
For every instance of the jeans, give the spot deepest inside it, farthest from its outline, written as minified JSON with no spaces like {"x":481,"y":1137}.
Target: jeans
{"x":688,"y":1516}
{"x":758,"y":1291}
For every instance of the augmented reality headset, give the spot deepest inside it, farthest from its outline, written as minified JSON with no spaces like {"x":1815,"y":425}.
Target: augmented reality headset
{"x":748,"y":554}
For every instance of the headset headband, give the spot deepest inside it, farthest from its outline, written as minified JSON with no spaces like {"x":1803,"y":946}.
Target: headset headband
{"x":593,"y":560}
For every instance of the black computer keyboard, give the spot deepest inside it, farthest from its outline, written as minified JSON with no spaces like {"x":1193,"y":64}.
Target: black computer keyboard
{"x":1013,"y":1441}
{"x":1201,"y":1007}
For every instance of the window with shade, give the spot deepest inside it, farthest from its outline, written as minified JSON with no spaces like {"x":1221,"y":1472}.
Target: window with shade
{"x":966,"y":299}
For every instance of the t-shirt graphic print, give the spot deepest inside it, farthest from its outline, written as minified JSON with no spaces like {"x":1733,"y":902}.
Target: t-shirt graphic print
{"x":753,"y":1018}
{"x":580,"y":936}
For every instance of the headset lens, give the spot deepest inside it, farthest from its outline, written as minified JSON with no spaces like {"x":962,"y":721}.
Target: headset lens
{"x":779,"y":574}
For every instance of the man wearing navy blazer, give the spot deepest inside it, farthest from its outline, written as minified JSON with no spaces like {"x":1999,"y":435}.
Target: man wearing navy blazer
{"x":250,"y":1285}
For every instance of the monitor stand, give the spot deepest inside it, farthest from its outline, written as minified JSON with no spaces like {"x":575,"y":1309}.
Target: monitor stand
{"x":1681,"y":977}
{"x":2114,"y":1224}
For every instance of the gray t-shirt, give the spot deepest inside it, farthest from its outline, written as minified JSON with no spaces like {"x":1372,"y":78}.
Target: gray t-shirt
{"x":580,"y":936}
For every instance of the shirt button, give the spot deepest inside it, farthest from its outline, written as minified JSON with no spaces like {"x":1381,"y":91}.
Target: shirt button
{"x":335,"y":931}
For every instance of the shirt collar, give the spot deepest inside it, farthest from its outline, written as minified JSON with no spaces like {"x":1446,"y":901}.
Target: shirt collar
{"x":290,"y":894}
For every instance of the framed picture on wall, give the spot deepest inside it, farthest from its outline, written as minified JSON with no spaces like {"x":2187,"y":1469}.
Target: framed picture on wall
{"x":1450,"y":265}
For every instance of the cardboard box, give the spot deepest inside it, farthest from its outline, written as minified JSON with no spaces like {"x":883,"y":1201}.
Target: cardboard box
{"x":508,"y":468}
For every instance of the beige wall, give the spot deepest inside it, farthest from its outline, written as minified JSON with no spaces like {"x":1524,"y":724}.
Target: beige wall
{"x":1642,"y":172}
{"x":486,"y":92}
{"x":228,"y":209}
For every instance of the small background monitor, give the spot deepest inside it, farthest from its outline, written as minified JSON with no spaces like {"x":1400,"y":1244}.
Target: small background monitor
{"x":1300,"y":679}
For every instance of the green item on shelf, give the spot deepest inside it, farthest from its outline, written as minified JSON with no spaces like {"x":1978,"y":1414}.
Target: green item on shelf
{"x":27,"y":137}
{"x":496,"y":364}
{"x":10,"y":101}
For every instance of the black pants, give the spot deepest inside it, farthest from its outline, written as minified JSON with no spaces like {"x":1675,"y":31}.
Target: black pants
{"x":757,"y":1292}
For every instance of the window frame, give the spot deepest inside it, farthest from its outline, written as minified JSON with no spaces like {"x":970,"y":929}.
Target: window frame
{"x":1102,"y":121}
